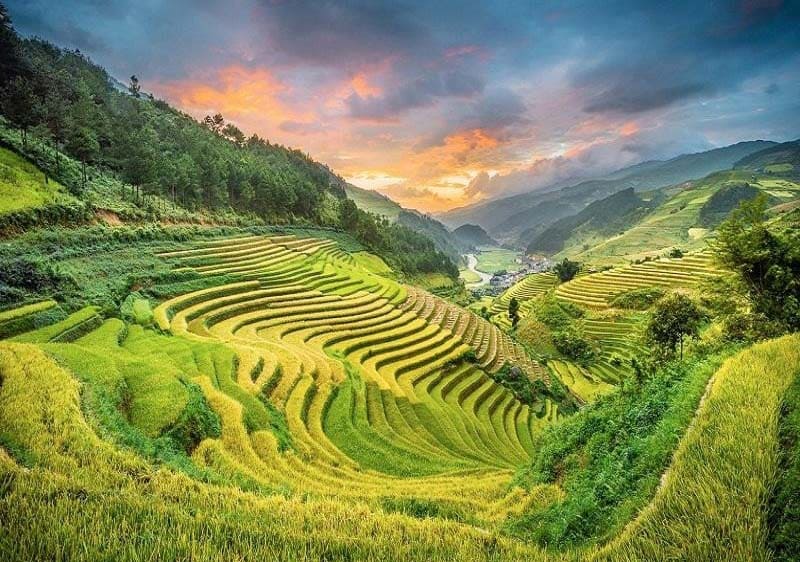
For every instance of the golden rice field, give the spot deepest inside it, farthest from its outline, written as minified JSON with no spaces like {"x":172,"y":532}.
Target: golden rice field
{"x":616,"y":333}
{"x":356,"y":421}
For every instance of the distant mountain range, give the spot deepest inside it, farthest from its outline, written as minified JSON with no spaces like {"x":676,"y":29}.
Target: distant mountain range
{"x":631,"y":224}
{"x":520,"y":219}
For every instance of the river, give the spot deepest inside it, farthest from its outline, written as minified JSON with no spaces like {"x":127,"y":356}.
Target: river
{"x":472,"y":261}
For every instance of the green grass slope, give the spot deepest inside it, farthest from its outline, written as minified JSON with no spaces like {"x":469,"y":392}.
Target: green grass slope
{"x":24,"y":186}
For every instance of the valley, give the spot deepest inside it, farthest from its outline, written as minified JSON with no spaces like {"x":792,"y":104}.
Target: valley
{"x":217,"y":347}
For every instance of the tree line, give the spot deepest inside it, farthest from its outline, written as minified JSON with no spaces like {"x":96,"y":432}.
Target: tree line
{"x":71,"y":105}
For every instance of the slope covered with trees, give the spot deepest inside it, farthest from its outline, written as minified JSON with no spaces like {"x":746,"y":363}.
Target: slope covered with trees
{"x":126,"y":151}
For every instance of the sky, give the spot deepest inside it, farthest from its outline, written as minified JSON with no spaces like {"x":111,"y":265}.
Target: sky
{"x":441,"y":104}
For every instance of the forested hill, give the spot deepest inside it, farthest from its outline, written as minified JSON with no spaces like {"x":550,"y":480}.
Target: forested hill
{"x":124,"y":151}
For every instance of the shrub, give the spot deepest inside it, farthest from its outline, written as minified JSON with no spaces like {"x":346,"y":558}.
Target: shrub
{"x":638,"y":299}
{"x":566,"y":269}
{"x":572,"y":344}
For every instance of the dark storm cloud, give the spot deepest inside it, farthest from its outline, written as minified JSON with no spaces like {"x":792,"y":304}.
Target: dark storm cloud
{"x":340,"y":32}
{"x":659,"y":54}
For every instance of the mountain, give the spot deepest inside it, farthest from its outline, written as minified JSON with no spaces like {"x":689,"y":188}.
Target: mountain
{"x":520,"y":218}
{"x":785,"y":155}
{"x":473,"y":235}
{"x":604,"y":217}
{"x":631,"y":225}
{"x":379,"y":204}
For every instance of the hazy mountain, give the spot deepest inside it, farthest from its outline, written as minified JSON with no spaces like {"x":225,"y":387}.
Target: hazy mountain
{"x":473,"y":235}
{"x":783,"y":153}
{"x":520,"y":218}
{"x":605,"y":216}
{"x":379,"y":204}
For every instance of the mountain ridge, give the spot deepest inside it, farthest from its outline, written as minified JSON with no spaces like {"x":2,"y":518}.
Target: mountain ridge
{"x":514,"y":220}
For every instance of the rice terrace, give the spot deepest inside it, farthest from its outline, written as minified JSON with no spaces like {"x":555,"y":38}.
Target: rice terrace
{"x":528,"y":288}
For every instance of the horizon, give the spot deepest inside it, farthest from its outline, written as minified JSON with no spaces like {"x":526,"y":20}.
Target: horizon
{"x":440,"y":107}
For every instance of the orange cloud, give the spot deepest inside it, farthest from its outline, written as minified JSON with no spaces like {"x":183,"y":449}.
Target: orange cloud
{"x":249,"y":96}
{"x":629,"y":128}
{"x":360,"y":85}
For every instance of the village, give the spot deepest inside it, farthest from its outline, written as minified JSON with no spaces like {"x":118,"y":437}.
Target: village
{"x":502,"y":280}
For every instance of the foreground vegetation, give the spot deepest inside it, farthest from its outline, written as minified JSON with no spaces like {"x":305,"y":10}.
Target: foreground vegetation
{"x":208,"y":351}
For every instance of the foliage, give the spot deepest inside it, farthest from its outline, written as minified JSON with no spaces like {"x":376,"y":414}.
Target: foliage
{"x":513,"y":311}
{"x":523,"y":388}
{"x":640,"y":298}
{"x":712,"y":502}
{"x":555,"y":313}
{"x":570,"y":342}
{"x":401,"y":247}
{"x":566,"y":270}
{"x":675,"y":317}
{"x":766,"y":264}
{"x":609,"y":456}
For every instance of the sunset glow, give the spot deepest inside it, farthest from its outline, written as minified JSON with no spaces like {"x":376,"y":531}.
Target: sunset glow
{"x":498,"y":101}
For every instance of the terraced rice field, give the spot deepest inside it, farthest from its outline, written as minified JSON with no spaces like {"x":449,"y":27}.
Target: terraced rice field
{"x":618,"y":333}
{"x":595,"y":291}
{"x":492,"y":346}
{"x":524,"y":291}
{"x":368,"y":374}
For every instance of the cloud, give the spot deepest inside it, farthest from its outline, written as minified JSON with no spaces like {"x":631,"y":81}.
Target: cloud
{"x":454,"y":101}
{"x":423,"y":91}
{"x":637,"y":95}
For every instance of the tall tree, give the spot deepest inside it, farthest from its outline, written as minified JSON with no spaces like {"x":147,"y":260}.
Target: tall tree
{"x":20,"y":104}
{"x":674,"y":318}
{"x":513,"y":311}
{"x":233,"y":134}
{"x":134,"y":87}
{"x":766,"y":264}
{"x":82,"y":143}
{"x":12,"y":62}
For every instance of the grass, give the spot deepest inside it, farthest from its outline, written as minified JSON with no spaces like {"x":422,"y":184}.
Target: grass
{"x":608,"y":458}
{"x":723,"y":470}
{"x":23,"y":186}
{"x":299,"y":405}
{"x":492,"y":259}
{"x":373,"y":202}
{"x":468,"y":276}
{"x":784,"y":508}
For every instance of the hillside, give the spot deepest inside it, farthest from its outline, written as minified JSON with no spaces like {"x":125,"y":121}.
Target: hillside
{"x":786,"y":156}
{"x":136,"y":159}
{"x":214,"y":348}
{"x":373,"y":202}
{"x":602,"y":218}
{"x":473,"y":235}
{"x":682,"y":216}
{"x":519,"y":219}
{"x":379,"y":204}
